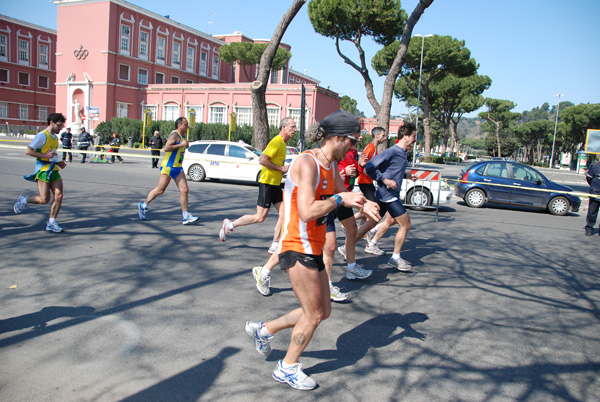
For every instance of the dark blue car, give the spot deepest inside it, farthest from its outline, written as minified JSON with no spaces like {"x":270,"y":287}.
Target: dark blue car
{"x":507,"y":182}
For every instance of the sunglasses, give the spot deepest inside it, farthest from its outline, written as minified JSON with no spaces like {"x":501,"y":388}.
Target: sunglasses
{"x":353,"y":140}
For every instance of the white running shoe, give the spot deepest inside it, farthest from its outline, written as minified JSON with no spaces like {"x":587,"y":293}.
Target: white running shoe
{"x":374,"y":249}
{"x":294,"y":376}
{"x":225,"y":231}
{"x":142,"y":211}
{"x":261,"y":343}
{"x":189,"y":219}
{"x":342,"y":251}
{"x":273,"y":247}
{"x":336,"y":294}
{"x":20,"y":204}
{"x":401,"y":264}
{"x":263,"y":285}
{"x":53,"y":227}
{"x":358,"y":272}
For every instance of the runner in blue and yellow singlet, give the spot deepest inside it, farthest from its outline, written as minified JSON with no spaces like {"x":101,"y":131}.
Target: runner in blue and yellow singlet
{"x":170,"y":168}
{"x":43,"y":148}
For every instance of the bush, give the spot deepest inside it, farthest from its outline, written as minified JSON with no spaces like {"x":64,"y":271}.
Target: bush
{"x":433,"y":159}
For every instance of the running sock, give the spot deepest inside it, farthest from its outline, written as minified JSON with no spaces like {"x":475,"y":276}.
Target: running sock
{"x":264,"y":331}
{"x":373,"y":243}
{"x":52,"y":220}
{"x":144,"y":205}
{"x":396,"y":256}
{"x":230,"y":226}
{"x":351,"y":266}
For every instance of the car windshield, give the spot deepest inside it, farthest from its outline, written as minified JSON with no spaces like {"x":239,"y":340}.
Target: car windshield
{"x":253,"y":150}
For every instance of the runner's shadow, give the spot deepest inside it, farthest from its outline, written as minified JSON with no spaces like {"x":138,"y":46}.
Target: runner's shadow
{"x":377,"y":332}
{"x":38,"y":321}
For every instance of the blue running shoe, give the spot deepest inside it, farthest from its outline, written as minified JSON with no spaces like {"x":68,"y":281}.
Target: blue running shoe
{"x":189,"y":219}
{"x":142,"y":211}
{"x":261,"y":343}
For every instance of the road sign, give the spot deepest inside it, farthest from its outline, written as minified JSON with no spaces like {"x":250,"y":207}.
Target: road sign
{"x":93,"y":113}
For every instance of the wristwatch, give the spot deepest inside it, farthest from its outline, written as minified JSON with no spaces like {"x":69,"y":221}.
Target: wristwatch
{"x":338,"y":199}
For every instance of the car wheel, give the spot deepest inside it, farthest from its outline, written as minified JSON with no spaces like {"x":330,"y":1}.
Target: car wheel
{"x":197,"y":172}
{"x":475,"y":198}
{"x":419,"y":198}
{"x":558,"y":206}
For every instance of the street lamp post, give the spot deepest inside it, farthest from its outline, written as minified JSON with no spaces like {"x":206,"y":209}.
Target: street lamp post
{"x":419,"y":94}
{"x":555,"y":127}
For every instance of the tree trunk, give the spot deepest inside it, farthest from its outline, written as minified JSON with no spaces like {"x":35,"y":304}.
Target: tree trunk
{"x":259,"y":87}
{"x":383,"y":117}
{"x":498,"y":139}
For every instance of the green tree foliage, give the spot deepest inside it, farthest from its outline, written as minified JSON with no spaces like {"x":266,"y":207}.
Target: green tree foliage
{"x":350,"y":105}
{"x":453,"y":97}
{"x":382,"y":20}
{"x":578,"y":119}
{"x":499,"y":119}
{"x":442,"y":56}
{"x":248,"y":54}
{"x":534,"y":136}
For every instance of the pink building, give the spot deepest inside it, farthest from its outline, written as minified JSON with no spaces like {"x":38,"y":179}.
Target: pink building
{"x":27,"y":73}
{"x":128,"y":59}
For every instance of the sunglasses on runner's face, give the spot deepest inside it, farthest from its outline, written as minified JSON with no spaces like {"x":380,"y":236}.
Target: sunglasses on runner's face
{"x":353,"y":140}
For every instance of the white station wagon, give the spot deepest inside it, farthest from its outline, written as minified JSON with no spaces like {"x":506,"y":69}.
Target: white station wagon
{"x":221,"y":160}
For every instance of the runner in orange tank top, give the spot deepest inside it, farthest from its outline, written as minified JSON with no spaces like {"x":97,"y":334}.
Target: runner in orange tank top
{"x":313,"y":189}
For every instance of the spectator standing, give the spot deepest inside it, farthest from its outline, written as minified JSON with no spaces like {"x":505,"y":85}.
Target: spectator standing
{"x":66,"y":139}
{"x":85,"y":140}
{"x":115,"y":144}
{"x":156,"y":144}
{"x":593,"y":179}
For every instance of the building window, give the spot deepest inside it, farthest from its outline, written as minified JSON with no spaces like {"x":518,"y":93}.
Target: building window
{"x":125,"y":39}
{"x":24,"y":79}
{"x":142,"y":76}
{"x":233,"y":68}
{"x":273,"y":116}
{"x":171,"y":112}
{"x":174,"y":79}
{"x":42,"y":113}
{"x":144,"y":45}
{"x":124,"y":72}
{"x":122,"y":109}
{"x":3,"y":75}
{"x":189,"y":81}
{"x":189,"y":64}
{"x":3,"y":110}
{"x":218,"y":114}
{"x":23,"y":51}
{"x":43,"y":56}
{"x":215,"y":66}
{"x":153,"y":110}
{"x":160,"y":50}
{"x":295,"y":114}
{"x":23,"y":112}
{"x":203,"y":62}
{"x":197,"y":110}
{"x":3,"y":47}
{"x":43,"y":82}
{"x":176,"y":54}
{"x":243,"y":116}
{"x":159,"y":78}
{"x":274,"y":77}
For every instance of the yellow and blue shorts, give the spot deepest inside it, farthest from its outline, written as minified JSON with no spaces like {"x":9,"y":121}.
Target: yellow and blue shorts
{"x":171,"y":171}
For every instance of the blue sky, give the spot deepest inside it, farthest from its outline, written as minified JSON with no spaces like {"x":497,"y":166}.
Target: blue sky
{"x":531,"y":49}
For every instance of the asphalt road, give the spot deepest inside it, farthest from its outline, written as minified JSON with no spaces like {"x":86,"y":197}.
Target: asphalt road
{"x":504,"y":304}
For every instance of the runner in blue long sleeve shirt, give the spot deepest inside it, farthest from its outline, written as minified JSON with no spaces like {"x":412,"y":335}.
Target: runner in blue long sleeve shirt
{"x":389,"y":169}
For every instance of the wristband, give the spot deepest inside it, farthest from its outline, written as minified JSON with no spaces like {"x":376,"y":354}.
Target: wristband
{"x":338,"y":199}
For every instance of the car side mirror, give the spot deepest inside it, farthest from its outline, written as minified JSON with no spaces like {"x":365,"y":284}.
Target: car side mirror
{"x":249,"y":155}
{"x":539,"y":182}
